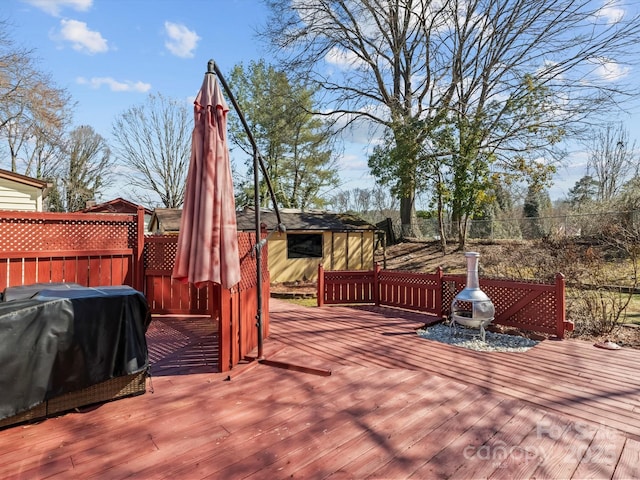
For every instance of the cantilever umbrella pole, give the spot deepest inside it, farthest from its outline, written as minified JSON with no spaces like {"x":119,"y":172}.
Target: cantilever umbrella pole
{"x":213,"y":68}
{"x":257,"y":165}
{"x":256,"y":193}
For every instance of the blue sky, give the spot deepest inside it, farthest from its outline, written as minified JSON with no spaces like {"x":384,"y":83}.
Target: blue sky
{"x":110,"y":54}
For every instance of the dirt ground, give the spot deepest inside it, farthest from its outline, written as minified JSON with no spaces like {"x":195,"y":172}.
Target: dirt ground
{"x":508,"y":259}
{"x":426,"y":257}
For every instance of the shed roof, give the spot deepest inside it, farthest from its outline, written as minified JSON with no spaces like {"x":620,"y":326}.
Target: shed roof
{"x":303,"y":220}
{"x":169,"y":220}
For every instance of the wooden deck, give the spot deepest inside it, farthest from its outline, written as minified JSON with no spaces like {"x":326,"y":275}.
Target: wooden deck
{"x":394,"y":406}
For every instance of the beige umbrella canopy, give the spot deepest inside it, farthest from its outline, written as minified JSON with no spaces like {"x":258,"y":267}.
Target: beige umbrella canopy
{"x":208,"y":240}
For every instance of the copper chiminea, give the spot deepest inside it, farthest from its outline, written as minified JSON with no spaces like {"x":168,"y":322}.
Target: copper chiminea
{"x":471,"y":307}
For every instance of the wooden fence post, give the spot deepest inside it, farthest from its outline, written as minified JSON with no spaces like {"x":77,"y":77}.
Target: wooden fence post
{"x":320,"y":296}
{"x":438,"y":305}
{"x":225,"y":330}
{"x":560,"y":305}
{"x":138,"y":259}
{"x":376,"y":285}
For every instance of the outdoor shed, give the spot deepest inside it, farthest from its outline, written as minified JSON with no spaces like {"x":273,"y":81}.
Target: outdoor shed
{"x":165,"y":221}
{"x":19,"y":192}
{"x":338,"y":241}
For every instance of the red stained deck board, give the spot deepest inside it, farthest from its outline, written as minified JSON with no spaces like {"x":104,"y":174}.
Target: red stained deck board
{"x":628,"y":465}
{"x":410,"y":456}
{"x":395,"y":445}
{"x":394,"y":404}
{"x":368,"y":420}
{"x":359,"y":449}
{"x":601,"y":456}
{"x":482,"y":459}
{"x":286,"y":419}
{"x":271,"y":413}
{"x":546,"y":388}
{"x":607,"y":385}
{"x":482,"y":429}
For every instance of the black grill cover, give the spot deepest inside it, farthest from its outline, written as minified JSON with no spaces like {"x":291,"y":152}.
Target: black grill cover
{"x":64,"y":339}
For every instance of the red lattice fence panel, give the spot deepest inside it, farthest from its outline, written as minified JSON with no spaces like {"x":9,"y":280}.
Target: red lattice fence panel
{"x":527,"y":305}
{"x":88,"y":249}
{"x":165,"y":295}
{"x":413,"y":291}
{"x":346,"y":287}
{"x":235,"y":310}
{"x":530,"y":306}
{"x":242,"y":304}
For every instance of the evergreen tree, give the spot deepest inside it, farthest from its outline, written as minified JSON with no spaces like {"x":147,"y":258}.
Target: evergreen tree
{"x":536,"y":204}
{"x":584,"y":191}
{"x":295,"y":145}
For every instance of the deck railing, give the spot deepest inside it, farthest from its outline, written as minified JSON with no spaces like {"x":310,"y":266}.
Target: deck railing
{"x":98,"y":249}
{"x":528,"y":306}
{"x":88,"y":249}
{"x":235,"y":308}
{"x":165,"y":295}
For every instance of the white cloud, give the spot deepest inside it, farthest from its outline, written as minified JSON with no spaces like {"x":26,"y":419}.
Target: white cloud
{"x":114,"y":85}
{"x":342,"y":58}
{"x":53,"y":7}
{"x":182,"y":41}
{"x":81,"y":38}
{"x":612,"y":71}
{"x":353,"y":162}
{"x":609,"y":70}
{"x":611,"y":12}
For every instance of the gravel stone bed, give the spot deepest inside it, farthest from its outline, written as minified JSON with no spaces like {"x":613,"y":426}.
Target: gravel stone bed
{"x":470,"y":338}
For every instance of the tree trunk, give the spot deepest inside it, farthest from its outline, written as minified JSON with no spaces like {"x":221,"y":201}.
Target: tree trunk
{"x":408,"y":217}
{"x":441,"y":226}
{"x":462,"y":232}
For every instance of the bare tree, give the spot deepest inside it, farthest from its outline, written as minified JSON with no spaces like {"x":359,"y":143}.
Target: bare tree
{"x":384,"y":202}
{"x":154,"y":141}
{"x":612,"y":161}
{"x":511,"y":77}
{"x":16,"y":64}
{"x":34,"y":113}
{"x":341,"y":201}
{"x":87,"y":169}
{"x":372,"y":204}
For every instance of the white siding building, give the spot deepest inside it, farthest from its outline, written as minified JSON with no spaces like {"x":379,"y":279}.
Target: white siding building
{"x":19,"y":192}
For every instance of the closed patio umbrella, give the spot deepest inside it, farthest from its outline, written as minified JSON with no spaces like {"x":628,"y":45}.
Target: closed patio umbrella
{"x":208,"y":243}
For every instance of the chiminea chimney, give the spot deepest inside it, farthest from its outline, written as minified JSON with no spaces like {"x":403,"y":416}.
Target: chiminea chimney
{"x":472,"y":307}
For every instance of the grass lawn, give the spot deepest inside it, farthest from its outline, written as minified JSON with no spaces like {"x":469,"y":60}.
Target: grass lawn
{"x":308,"y":301}
{"x":633,"y":310}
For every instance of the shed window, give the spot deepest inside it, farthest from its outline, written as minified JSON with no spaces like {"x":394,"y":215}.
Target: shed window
{"x":304,"y":245}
